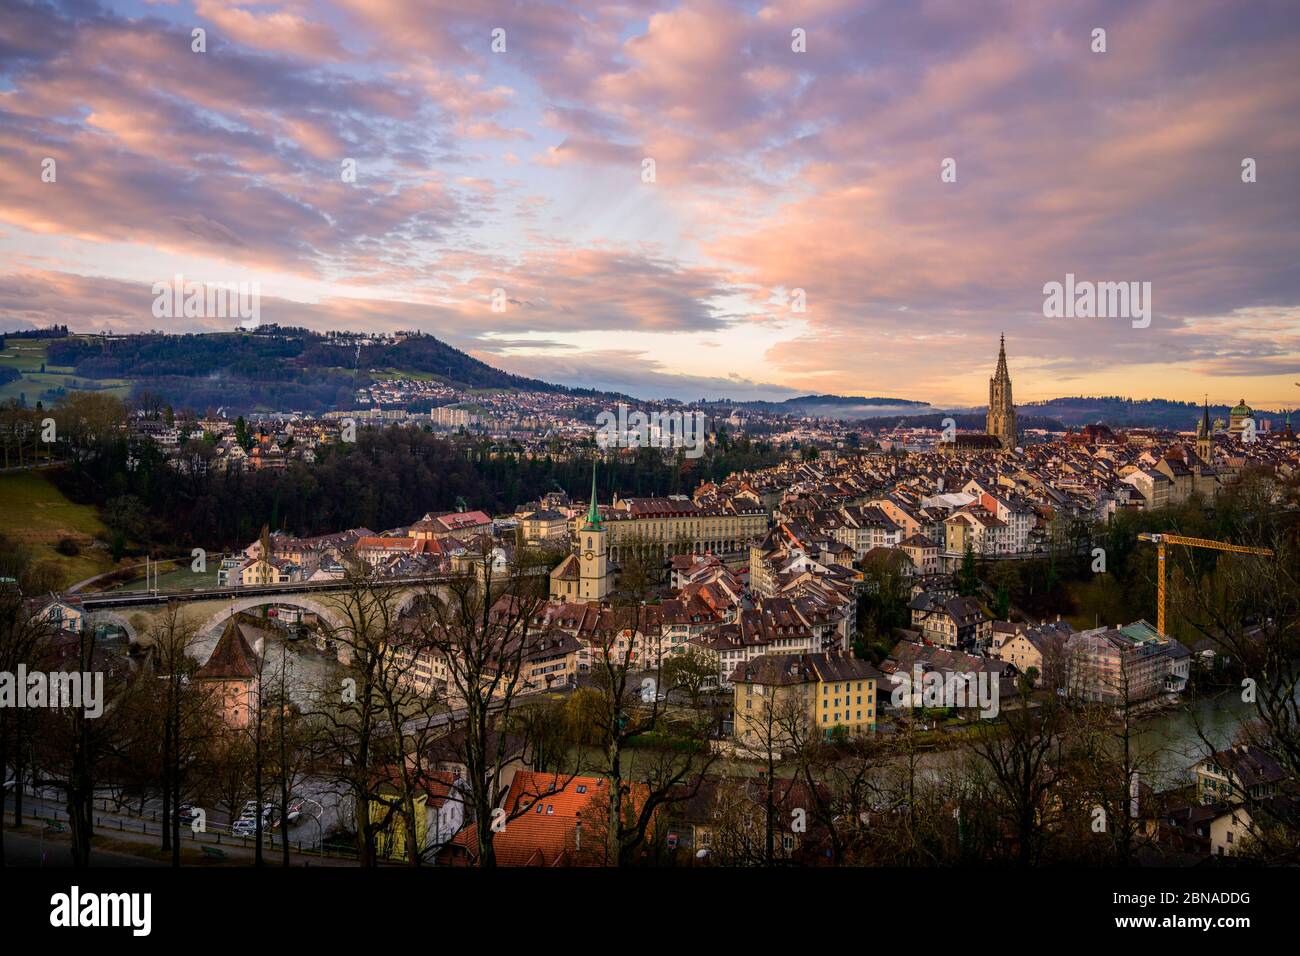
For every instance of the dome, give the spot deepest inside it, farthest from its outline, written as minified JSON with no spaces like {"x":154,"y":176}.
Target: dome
{"x":1242,"y":410}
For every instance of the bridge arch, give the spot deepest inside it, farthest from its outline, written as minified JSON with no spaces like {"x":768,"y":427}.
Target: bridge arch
{"x":408,"y":598}
{"x":95,"y":618}
{"x":329,"y":615}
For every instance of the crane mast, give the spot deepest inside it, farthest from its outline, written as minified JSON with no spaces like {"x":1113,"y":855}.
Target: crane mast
{"x":1161,"y":541}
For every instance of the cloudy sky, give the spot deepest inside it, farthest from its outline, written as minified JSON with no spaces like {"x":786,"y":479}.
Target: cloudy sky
{"x":774,"y":170}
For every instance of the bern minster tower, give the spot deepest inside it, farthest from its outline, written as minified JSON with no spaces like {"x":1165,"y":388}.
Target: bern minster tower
{"x":1002,"y":410}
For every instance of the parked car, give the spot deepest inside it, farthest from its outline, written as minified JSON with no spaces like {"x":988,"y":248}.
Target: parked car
{"x":185,"y":812}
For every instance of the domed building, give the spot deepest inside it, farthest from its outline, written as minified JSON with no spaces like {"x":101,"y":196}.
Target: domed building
{"x":1238,"y":418}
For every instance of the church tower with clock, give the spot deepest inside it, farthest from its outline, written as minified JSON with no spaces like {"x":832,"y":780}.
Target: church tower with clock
{"x":593,"y":553}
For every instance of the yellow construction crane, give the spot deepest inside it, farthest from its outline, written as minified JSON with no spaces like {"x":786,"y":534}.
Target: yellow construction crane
{"x":1161,"y":540}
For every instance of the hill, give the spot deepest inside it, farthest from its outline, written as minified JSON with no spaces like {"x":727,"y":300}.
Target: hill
{"x":1121,"y":412}
{"x":56,"y":530}
{"x":273,"y":368}
{"x":831,"y":406}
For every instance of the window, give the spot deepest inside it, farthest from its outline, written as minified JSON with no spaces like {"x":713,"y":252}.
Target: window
{"x":582,"y":788}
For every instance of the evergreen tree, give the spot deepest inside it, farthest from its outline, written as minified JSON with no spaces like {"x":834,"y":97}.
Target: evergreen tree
{"x":968,"y":581}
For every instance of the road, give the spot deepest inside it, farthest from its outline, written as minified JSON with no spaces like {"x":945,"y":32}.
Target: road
{"x":32,"y":849}
{"x":128,"y":825}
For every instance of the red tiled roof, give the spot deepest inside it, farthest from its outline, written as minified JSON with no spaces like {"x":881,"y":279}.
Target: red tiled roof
{"x":232,"y":658}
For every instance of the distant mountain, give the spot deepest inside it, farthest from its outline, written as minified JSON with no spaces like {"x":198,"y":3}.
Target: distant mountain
{"x":1131,"y":413}
{"x":832,"y":406}
{"x":273,"y":368}
{"x":967,"y":421}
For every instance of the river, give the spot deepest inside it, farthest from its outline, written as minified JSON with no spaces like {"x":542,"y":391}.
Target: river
{"x":1169,"y":743}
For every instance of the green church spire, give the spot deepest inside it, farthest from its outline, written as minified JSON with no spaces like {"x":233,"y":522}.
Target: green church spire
{"x":593,"y":515}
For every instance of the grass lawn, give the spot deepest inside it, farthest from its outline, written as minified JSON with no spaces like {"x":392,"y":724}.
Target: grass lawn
{"x":27,"y":356}
{"x":174,"y":576}
{"x":412,"y":376}
{"x":36,"y":513}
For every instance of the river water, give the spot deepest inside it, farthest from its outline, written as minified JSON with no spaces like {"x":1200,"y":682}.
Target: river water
{"x":1169,"y":743}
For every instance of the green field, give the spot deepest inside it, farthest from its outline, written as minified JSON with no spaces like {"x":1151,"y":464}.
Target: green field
{"x":172,"y":576}
{"x":397,"y":373}
{"x":27,"y":356}
{"x":37,"y":514}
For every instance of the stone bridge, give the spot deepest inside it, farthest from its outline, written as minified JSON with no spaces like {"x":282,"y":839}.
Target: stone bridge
{"x":208,"y":609}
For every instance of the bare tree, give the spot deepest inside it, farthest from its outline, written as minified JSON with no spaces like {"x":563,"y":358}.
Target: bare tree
{"x":21,"y":634}
{"x":349,"y":716}
{"x":627,"y":672}
{"x":1015,"y":748}
{"x":1248,"y":610}
{"x":185,"y":712}
{"x":482,"y":630}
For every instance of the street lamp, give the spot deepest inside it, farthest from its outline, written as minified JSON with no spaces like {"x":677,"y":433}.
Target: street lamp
{"x":320,"y":833}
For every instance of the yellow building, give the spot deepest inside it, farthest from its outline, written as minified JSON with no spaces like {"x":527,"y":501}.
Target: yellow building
{"x":543,"y":527}
{"x":387,"y":814}
{"x":439,"y":803}
{"x":678,"y":526}
{"x":780,"y":698}
{"x":1237,"y":418}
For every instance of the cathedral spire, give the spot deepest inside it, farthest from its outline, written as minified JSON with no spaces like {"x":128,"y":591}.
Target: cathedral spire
{"x":1001,"y":420}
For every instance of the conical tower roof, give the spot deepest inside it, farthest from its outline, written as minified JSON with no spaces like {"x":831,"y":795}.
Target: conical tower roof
{"x":232,"y":658}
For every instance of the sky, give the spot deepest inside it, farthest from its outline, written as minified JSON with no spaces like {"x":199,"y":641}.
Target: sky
{"x":798,"y":234}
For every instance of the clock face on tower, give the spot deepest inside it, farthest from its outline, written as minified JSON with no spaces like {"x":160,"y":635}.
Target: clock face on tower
{"x":590,"y":554}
